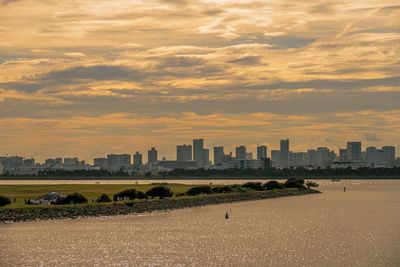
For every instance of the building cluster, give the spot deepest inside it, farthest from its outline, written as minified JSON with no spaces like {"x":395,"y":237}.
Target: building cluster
{"x":194,"y":156}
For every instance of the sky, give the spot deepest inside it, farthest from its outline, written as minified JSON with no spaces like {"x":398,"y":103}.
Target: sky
{"x":91,"y":77}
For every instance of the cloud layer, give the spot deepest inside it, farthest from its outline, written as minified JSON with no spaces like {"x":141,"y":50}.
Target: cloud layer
{"x":91,"y":77}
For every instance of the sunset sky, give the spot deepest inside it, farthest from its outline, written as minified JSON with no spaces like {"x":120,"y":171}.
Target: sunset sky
{"x":86,"y":78}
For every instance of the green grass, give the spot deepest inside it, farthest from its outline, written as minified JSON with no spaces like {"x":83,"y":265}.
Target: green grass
{"x":90,"y":191}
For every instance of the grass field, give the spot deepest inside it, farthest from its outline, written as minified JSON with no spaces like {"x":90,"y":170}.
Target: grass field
{"x":90,"y":191}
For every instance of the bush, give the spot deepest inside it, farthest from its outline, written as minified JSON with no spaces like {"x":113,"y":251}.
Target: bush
{"x":4,"y":201}
{"x":140,"y":195}
{"x":271,"y":185}
{"x":128,"y":193}
{"x":197,"y":190}
{"x":310,"y":184}
{"x":103,"y":198}
{"x":294,"y":183}
{"x":160,"y":191}
{"x":254,"y":185}
{"x":180,"y":194}
{"x":75,"y":198}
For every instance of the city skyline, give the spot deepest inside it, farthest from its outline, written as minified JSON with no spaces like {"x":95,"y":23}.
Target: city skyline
{"x":92,"y":77}
{"x":185,"y":152}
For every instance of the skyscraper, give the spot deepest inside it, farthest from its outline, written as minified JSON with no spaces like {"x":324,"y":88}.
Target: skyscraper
{"x":261,"y":152}
{"x":198,"y":151}
{"x":184,"y":152}
{"x":389,"y":153}
{"x":218,"y":155}
{"x":206,"y":157}
{"x":152,"y":155}
{"x":240,"y":152}
{"x":284,"y":153}
{"x":137,"y":159}
{"x":354,"y":151}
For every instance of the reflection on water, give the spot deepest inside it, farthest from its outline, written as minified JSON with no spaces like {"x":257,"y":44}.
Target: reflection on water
{"x":357,"y":228}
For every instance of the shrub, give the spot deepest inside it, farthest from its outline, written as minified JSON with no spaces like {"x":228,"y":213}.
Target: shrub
{"x":4,"y":201}
{"x":294,"y":183}
{"x":310,"y":184}
{"x":128,"y":193}
{"x":180,"y":194}
{"x":75,"y":198}
{"x":103,"y":198}
{"x":159,"y":191}
{"x":254,"y":185}
{"x":271,"y":185}
{"x":140,"y":195}
{"x":197,"y":190}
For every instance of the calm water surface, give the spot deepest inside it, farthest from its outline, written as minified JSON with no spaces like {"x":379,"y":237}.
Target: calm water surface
{"x":358,"y":228}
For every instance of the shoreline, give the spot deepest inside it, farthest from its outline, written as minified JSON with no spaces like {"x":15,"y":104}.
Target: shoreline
{"x":73,"y":212}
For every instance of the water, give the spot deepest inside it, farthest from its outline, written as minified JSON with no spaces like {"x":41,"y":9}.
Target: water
{"x":357,"y":228}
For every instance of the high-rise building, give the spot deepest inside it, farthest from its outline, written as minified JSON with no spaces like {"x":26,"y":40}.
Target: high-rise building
{"x":354,"y":151}
{"x":284,"y":153}
{"x":218,"y":155}
{"x":240,"y":152}
{"x":261,"y":152}
{"x":389,"y":153}
{"x":117,"y":161}
{"x":184,"y":152}
{"x":152,"y":155}
{"x":137,"y":159}
{"x":249,"y":155}
{"x":276,"y":158}
{"x":198,"y":151}
{"x":206,"y":157}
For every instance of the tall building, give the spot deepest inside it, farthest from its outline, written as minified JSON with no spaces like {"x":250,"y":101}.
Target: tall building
{"x":152,"y":155}
{"x":261,"y":152}
{"x":137,"y":159}
{"x":276,"y":158}
{"x":198,"y":151}
{"x":284,"y":153}
{"x":206,"y":157}
{"x":218,"y":155}
{"x":389,"y":153}
{"x":184,"y":152}
{"x":117,"y":161}
{"x":240,"y":152}
{"x":354,"y":151}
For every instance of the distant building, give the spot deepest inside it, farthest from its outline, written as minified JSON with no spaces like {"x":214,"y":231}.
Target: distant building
{"x":276,"y":158}
{"x":137,"y":159}
{"x":178,"y":164}
{"x":118,"y":161}
{"x":240,"y":152}
{"x":206,"y":158}
{"x":218,"y":155}
{"x":342,"y":155}
{"x":297,"y":159}
{"x":198,"y":152}
{"x":354,"y":151}
{"x":184,"y":152}
{"x":261,"y":152}
{"x":152,"y":155}
{"x":101,"y":163}
{"x":390,"y":153}
{"x":284,"y":153}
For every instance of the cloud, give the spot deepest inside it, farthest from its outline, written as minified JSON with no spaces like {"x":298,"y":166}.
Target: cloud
{"x":247,"y":60}
{"x":371,"y":137}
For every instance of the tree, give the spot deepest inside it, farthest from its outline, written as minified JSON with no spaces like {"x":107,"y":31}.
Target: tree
{"x":128,"y":193}
{"x":294,"y":183}
{"x":197,"y":190}
{"x":103,"y":198}
{"x":254,"y":185}
{"x":4,"y":201}
{"x":75,"y":198}
{"x":310,"y":184}
{"x":271,"y":185}
{"x":159,"y":191}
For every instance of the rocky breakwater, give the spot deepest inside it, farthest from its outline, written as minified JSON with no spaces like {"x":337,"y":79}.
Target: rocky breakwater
{"x":87,"y":210}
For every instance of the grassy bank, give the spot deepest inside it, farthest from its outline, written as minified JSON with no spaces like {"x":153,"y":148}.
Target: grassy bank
{"x":8,"y":215}
{"x":22,"y":192}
